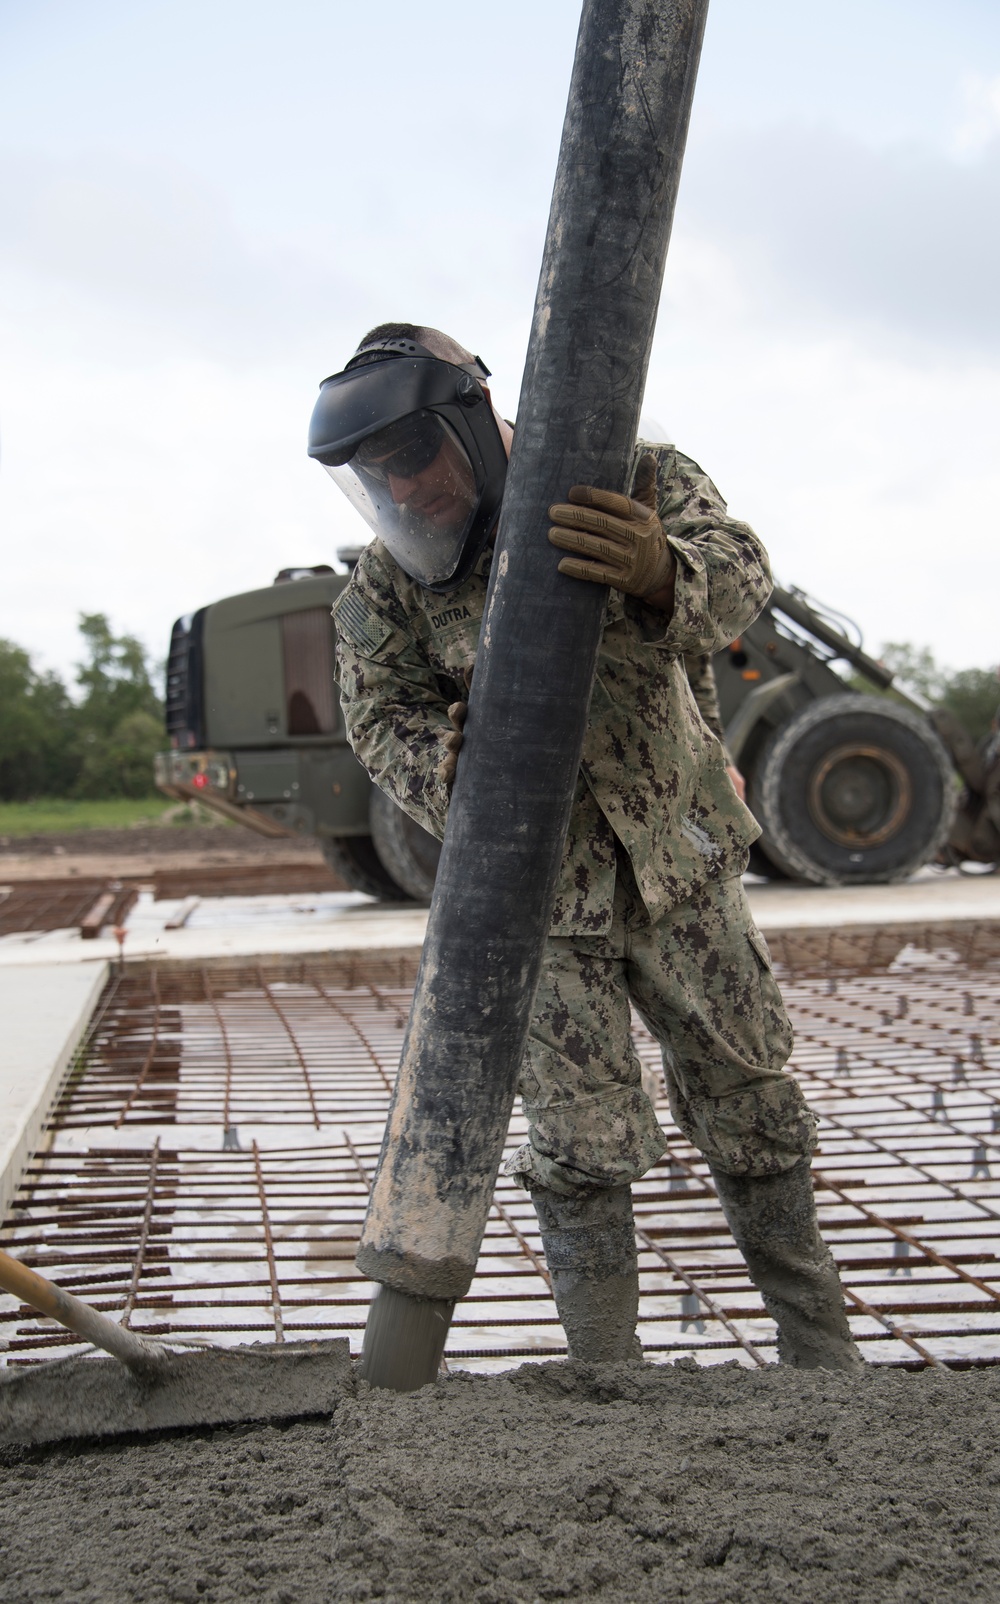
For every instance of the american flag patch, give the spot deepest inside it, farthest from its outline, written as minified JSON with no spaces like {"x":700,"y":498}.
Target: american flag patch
{"x":359,"y":622}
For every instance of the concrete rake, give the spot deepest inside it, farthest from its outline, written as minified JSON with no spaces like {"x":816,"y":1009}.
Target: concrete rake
{"x":147,"y":1387}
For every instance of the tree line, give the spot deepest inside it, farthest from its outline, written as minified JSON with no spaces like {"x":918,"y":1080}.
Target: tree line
{"x":98,"y":743}
{"x":972,"y":694}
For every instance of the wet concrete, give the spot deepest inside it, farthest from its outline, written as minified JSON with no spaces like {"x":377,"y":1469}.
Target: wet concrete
{"x":621,"y":1483}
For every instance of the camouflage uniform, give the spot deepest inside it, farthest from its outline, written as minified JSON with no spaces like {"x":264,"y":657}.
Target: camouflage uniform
{"x":649,"y":904}
{"x":975,"y":834}
{"x":701,"y":678}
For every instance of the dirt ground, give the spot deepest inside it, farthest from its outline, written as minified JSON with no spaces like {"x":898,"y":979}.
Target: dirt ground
{"x":625,"y":1484}
{"x":145,"y":849}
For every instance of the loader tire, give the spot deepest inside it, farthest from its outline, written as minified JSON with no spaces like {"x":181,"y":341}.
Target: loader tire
{"x":354,"y":859}
{"x":761,"y":864}
{"x":853,"y":789}
{"x":408,"y":853}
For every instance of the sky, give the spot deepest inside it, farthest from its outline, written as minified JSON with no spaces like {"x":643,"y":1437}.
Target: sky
{"x":203,"y":206}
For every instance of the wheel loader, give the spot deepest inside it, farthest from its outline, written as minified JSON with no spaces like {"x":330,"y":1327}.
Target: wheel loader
{"x":848,"y":787}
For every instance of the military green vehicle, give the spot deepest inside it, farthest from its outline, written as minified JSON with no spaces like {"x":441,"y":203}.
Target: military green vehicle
{"x":847,"y":787}
{"x":256,"y":733}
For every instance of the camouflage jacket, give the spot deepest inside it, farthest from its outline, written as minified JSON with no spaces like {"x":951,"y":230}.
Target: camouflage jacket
{"x":701,"y":678}
{"x":652,"y":774}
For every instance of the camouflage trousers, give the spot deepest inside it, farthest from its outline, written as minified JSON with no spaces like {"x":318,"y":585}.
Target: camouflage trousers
{"x":700,"y":979}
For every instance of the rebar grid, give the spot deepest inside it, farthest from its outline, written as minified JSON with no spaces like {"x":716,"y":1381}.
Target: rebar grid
{"x":263,"y":1051}
{"x":156,"y":1223}
{"x":245,"y":880}
{"x":43,"y":905}
{"x":60,"y":903}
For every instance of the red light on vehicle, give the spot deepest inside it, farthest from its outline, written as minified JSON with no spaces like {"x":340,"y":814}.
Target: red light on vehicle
{"x":199,"y":781}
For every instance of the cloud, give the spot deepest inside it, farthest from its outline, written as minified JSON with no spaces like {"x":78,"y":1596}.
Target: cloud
{"x":980,"y":125}
{"x":139,"y":261}
{"x":870,"y":472}
{"x":145,"y":496}
{"x":160,"y":251}
{"x":902,"y":240}
{"x":828,"y":348}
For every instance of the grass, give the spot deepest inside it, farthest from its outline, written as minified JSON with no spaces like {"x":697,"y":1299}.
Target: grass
{"x":58,"y":815}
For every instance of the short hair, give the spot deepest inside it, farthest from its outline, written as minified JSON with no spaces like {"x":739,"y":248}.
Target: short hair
{"x":439,"y":344}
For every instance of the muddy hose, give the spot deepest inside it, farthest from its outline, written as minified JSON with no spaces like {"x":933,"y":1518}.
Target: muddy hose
{"x":404,"y":1339}
{"x":595,"y":311}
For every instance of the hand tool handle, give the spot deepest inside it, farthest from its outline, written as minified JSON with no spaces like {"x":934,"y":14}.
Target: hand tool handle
{"x":136,"y":1352}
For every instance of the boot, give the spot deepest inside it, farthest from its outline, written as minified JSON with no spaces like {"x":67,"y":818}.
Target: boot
{"x":773,"y":1219}
{"x":589,"y":1243}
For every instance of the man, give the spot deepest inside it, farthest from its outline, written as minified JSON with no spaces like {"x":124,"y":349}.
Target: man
{"x":701,"y":678}
{"x":975,"y":834}
{"x":649,"y":907}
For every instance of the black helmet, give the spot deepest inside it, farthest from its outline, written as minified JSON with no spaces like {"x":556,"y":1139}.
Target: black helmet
{"x":412,"y":441}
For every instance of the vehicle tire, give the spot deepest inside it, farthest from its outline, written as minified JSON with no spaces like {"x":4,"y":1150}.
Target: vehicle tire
{"x":761,"y":864}
{"x":408,"y":852}
{"x":853,"y":789}
{"x":355,"y":860}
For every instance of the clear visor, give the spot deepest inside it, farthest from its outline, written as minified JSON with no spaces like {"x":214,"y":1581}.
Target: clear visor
{"x":414,"y":484}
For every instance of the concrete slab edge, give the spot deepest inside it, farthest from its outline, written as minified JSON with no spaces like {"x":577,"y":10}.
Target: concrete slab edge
{"x":811,"y":948}
{"x":387,"y":966}
{"x":193,"y":946}
{"x":17,"y":1152}
{"x":862,"y":945}
{"x":786,"y":905}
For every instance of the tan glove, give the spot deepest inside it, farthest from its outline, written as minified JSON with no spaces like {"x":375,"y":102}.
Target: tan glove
{"x":621,"y":541}
{"x":458,"y":712}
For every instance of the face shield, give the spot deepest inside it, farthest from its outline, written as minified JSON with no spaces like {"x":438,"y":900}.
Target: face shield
{"x":412,"y":442}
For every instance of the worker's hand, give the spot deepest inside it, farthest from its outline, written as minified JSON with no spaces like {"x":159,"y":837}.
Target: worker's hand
{"x":458,"y":712}
{"x":739,"y":783}
{"x":619,"y":539}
